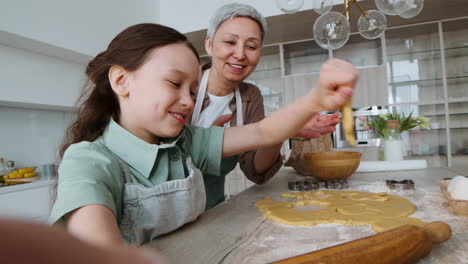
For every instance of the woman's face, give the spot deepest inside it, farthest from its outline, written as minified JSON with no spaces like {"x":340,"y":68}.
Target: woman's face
{"x":159,"y":100}
{"x":235,"y":49}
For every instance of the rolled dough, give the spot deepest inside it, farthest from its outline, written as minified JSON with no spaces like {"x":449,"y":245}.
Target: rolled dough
{"x":381,"y":210}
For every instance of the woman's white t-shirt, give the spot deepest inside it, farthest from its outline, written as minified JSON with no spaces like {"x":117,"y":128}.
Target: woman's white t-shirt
{"x":218,"y":106}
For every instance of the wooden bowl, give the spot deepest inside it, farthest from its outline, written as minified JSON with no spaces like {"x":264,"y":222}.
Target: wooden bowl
{"x":331,"y":165}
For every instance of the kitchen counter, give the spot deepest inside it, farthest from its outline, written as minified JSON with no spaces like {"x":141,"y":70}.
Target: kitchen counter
{"x":27,"y":186}
{"x":28,"y":201}
{"x":236,"y":232}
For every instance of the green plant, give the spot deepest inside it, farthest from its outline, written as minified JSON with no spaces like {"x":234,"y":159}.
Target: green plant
{"x":405,"y":122}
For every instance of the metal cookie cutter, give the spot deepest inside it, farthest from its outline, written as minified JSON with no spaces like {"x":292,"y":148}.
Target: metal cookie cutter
{"x":400,"y":185}
{"x":303,"y":186}
{"x":337,"y":184}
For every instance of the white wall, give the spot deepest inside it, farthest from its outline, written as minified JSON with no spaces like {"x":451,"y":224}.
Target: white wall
{"x":31,"y":137}
{"x":84,"y":26}
{"x":188,"y":15}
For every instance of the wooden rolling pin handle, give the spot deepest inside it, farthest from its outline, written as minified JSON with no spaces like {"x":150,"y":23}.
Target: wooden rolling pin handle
{"x":438,"y":231}
{"x":402,"y":245}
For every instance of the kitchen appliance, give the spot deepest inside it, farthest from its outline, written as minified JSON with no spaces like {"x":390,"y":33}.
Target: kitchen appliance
{"x":365,"y":135}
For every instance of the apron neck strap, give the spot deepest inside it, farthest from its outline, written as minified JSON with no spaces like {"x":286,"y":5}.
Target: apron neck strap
{"x":201,"y":97}
{"x":239,"y":117}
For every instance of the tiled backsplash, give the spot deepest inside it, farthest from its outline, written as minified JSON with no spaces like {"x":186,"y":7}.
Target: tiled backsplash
{"x":31,"y":137}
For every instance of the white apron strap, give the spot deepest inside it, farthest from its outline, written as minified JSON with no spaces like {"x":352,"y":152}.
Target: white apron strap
{"x":239,"y":117}
{"x":200,"y":98}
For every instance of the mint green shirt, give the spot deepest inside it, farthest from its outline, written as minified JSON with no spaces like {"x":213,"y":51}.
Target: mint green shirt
{"x":89,"y":174}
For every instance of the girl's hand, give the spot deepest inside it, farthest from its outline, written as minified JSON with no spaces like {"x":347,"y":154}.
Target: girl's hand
{"x":335,"y":85}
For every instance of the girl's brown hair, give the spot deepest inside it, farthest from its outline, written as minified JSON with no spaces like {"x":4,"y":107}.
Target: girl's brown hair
{"x":129,"y":50}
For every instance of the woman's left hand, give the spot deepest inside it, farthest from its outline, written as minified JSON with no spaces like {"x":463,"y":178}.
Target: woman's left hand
{"x":319,"y":125}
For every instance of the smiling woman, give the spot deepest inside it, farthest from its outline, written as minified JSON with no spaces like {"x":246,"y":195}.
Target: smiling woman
{"x":234,"y":41}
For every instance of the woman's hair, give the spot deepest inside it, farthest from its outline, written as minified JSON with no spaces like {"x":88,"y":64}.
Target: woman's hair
{"x":234,"y":10}
{"x":129,"y":50}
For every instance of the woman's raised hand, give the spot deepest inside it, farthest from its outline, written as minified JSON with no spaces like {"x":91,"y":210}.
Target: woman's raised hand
{"x":222,"y":120}
{"x":335,"y":85}
{"x":319,"y":125}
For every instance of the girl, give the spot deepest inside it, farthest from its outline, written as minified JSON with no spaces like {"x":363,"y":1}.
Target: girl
{"x":131,"y":169}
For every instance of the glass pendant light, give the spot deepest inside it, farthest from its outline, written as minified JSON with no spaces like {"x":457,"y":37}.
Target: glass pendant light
{"x":392,"y":7}
{"x":324,"y":7}
{"x":331,"y":30}
{"x":372,"y":24}
{"x":290,"y":6}
{"x":413,"y":7}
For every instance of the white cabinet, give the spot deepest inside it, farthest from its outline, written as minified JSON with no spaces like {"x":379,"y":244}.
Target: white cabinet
{"x":428,"y":76}
{"x":298,"y":85}
{"x":302,"y":62}
{"x":371,"y":88}
{"x":39,"y":81}
{"x":29,"y":201}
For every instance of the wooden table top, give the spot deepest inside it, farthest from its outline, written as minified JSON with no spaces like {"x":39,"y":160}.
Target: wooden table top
{"x":236,"y":232}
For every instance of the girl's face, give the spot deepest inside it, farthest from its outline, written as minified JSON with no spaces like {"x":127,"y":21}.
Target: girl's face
{"x":159,"y":101}
{"x":235,"y":50}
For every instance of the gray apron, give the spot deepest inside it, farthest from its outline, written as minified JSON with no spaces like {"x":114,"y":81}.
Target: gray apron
{"x":148,"y":212}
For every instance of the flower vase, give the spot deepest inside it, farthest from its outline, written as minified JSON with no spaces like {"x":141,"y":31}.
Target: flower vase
{"x":393,"y":149}
{"x":393,"y":144}
{"x":381,"y":149}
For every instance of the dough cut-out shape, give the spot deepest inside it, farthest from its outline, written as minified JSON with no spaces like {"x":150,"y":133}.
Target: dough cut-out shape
{"x":381,"y":210}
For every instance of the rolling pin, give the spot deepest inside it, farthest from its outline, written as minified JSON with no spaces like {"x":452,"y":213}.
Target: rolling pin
{"x":347,"y":117}
{"x":402,"y":245}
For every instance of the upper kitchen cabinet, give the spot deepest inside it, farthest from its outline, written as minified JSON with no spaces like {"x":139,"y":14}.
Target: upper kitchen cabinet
{"x":306,"y":57}
{"x":298,"y":85}
{"x":34,"y":80}
{"x":414,"y":64}
{"x":455,"y":34}
{"x":267,"y":77}
{"x":367,"y":56}
{"x":370,"y":89}
{"x":456,"y":58}
{"x":361,"y":52}
{"x":303,"y":57}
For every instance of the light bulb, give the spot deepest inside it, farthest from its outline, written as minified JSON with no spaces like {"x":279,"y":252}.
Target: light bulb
{"x":392,"y":7}
{"x":331,"y":30}
{"x":290,"y":6}
{"x":413,"y":7}
{"x":372,"y":25}
{"x":324,"y":6}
